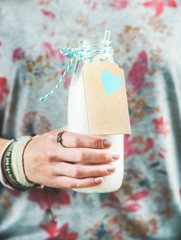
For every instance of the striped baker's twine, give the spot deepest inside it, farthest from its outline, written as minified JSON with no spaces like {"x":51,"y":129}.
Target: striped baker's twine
{"x":77,"y":54}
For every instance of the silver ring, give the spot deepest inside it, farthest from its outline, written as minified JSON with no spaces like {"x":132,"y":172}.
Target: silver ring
{"x":59,"y":138}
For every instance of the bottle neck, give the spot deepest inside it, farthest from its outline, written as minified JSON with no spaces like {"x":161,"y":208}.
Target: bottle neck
{"x":91,"y":48}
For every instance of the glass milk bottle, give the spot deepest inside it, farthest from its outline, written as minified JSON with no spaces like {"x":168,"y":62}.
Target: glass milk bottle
{"x":77,"y":117}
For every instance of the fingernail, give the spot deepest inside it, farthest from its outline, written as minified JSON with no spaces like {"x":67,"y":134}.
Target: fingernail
{"x":115,"y":155}
{"x":107,"y":143}
{"x":98,"y":180}
{"x":111,"y":168}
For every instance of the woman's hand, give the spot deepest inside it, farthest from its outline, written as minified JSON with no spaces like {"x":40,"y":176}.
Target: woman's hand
{"x":48,"y":163}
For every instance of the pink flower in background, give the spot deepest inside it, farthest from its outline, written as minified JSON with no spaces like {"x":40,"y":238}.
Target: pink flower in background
{"x":93,"y":3}
{"x":138,"y":71}
{"x":14,"y":192}
{"x":159,"y":5}
{"x":115,"y":4}
{"x":151,"y":157}
{"x":54,"y":54}
{"x":167,"y":212}
{"x":148,"y":145}
{"x":48,"y":14}
{"x":111,"y":205}
{"x":67,"y":79}
{"x":34,"y":123}
{"x":118,"y":4}
{"x":134,"y":207}
{"x":44,"y":27}
{"x":138,"y":195}
{"x":56,"y":199}
{"x":162,"y":152}
{"x":18,"y":54}
{"x":129,"y":147}
{"x":113,"y":197}
{"x":3,"y":88}
{"x":130,"y":207}
{"x":94,"y":6}
{"x":115,"y":202}
{"x":161,"y":126}
{"x":161,"y":155}
{"x":40,"y":3}
{"x":137,"y":145}
{"x":61,"y":233}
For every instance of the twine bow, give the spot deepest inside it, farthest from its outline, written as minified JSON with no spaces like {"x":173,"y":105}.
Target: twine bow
{"x":77,"y":54}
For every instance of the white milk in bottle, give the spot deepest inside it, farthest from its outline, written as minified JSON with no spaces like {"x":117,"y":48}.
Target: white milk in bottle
{"x":77,"y":117}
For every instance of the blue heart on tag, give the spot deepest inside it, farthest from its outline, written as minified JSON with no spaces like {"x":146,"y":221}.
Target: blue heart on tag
{"x":111,"y":83}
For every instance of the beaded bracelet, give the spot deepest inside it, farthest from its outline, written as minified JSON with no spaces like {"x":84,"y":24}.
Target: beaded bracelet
{"x":7,"y":172}
{"x":17,"y":164}
{"x":12,"y":165}
{"x":13,"y":169}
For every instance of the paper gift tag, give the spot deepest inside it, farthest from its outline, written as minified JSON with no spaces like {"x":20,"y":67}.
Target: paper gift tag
{"x":105,"y":95}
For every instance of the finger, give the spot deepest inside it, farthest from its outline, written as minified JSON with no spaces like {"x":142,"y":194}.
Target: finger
{"x":83,"y":171}
{"x":85,"y":155}
{"x":68,"y":182}
{"x":75,"y":140}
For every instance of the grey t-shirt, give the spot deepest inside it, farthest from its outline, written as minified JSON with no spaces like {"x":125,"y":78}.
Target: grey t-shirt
{"x":146,"y":40}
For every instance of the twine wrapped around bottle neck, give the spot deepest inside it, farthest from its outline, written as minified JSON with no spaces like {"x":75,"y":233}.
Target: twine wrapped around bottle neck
{"x":84,"y":52}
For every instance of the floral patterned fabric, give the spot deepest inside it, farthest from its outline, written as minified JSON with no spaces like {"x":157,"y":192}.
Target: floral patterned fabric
{"x":146,"y":40}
